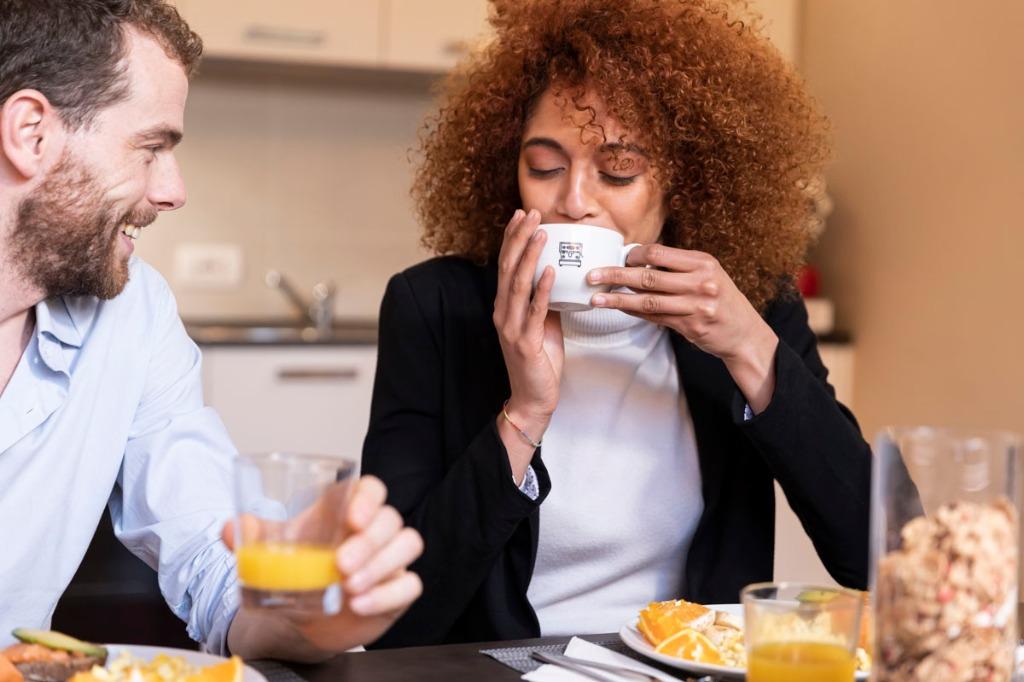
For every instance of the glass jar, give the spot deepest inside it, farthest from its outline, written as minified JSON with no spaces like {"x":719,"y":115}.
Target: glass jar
{"x":944,"y":555}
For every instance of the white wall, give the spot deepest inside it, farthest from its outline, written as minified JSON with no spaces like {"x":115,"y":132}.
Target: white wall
{"x":923,"y":253}
{"x":307,"y":175}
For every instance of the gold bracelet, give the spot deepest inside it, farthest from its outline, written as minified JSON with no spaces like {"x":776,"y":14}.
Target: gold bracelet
{"x":504,"y":413}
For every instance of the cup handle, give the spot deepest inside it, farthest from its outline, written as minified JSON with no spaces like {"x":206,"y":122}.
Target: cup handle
{"x":625,"y":251}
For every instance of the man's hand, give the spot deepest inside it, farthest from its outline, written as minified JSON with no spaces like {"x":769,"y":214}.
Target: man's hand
{"x":377,"y":587}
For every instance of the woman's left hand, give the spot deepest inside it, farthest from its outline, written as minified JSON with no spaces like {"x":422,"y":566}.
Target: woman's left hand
{"x":690,"y":293}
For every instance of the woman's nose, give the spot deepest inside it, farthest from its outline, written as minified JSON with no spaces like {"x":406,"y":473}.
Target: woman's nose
{"x":578,"y":199}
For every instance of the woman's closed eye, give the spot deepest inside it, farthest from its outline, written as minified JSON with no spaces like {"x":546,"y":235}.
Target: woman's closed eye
{"x":544,"y":172}
{"x":610,"y":178}
{"x":619,"y":180}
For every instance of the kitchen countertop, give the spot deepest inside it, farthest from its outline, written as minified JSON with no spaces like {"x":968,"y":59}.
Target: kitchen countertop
{"x":345,"y":332}
{"x":280,"y":332}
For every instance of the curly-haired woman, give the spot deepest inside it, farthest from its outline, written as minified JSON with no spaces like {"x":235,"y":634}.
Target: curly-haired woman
{"x":667,"y":410}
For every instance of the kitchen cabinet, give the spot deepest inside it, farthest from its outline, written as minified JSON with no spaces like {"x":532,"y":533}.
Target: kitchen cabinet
{"x":305,"y":31}
{"x":409,"y":35}
{"x":430,"y":36}
{"x":313,"y":399}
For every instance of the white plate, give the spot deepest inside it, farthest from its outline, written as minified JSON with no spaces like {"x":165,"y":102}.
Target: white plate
{"x":196,"y":658}
{"x":635,"y":640}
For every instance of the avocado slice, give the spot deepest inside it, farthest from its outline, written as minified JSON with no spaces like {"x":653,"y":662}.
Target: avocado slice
{"x":58,"y":640}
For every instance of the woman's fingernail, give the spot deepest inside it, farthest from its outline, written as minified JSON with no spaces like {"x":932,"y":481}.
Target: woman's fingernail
{"x":518,"y":215}
{"x":594,"y":277}
{"x":599,"y":300}
{"x":534,"y":214}
{"x":537,"y":235}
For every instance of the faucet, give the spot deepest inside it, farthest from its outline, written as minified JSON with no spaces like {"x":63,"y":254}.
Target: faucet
{"x":318,"y":313}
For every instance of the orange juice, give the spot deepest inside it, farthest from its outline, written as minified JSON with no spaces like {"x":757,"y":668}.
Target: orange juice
{"x":285,"y":566}
{"x":800,"y":662}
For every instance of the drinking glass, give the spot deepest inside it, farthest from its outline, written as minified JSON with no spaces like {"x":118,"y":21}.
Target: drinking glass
{"x":290,"y":520}
{"x":801,"y":633}
{"x":944,"y":552}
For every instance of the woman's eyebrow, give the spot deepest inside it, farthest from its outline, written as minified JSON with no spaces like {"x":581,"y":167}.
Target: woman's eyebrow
{"x":618,"y":147}
{"x":608,"y":147}
{"x":543,"y":142}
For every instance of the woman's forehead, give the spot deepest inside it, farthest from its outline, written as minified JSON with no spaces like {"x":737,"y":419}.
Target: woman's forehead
{"x":578,"y":111}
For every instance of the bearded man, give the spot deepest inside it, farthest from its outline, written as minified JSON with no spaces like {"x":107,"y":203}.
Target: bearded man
{"x":100,"y":396}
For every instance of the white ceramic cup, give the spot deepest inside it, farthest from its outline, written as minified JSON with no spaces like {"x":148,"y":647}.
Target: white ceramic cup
{"x":573,"y":250}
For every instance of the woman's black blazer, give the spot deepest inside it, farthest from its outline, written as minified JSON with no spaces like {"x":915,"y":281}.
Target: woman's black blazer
{"x":432,"y":439}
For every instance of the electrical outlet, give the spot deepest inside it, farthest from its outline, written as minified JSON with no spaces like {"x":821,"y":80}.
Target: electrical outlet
{"x":208,"y":266}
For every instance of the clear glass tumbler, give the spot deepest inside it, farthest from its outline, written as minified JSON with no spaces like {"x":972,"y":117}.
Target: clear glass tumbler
{"x":944,"y":548}
{"x":290,"y":520}
{"x":801,"y":633}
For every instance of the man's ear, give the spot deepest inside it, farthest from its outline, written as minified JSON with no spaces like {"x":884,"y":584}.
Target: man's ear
{"x":30,"y":130}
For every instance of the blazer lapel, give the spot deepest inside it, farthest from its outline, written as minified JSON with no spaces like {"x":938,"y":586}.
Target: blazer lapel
{"x":709,"y":390}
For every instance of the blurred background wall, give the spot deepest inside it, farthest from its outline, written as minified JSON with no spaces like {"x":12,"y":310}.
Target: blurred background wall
{"x":923,"y":253}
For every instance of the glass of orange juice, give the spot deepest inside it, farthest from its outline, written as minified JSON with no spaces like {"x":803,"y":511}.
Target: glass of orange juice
{"x":291,"y":509}
{"x":801,"y":633}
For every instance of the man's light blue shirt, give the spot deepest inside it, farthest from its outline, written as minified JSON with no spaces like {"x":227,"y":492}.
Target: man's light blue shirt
{"x":106,"y":408}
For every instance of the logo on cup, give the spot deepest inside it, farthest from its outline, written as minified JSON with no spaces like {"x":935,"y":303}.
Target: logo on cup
{"x":570,"y":253}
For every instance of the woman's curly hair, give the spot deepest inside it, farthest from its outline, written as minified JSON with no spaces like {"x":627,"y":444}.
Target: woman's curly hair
{"x":730,"y":131}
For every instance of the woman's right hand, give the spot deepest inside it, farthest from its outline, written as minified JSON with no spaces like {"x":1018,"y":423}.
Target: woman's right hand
{"x":530,"y":336}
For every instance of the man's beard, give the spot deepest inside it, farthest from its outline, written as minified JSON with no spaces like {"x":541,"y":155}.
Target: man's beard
{"x":65,"y":235}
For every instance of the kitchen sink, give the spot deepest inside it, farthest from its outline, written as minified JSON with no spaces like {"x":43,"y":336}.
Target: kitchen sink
{"x":280,"y":332}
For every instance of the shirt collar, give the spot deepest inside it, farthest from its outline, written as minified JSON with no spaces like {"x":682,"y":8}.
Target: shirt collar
{"x":65,"y":318}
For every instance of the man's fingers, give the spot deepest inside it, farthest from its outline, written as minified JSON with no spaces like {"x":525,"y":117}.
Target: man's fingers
{"x":395,"y":556}
{"x":367,"y":498}
{"x":394,"y":595}
{"x":227,"y":535}
{"x":251,"y":531}
{"x":358,"y":549}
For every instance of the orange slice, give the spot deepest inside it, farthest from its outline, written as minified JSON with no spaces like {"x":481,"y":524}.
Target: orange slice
{"x":661,"y":620}
{"x":691,"y":645}
{"x":228,"y":671}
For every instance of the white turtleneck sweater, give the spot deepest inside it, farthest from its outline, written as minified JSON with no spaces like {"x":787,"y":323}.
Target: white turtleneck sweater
{"x":625,"y":481}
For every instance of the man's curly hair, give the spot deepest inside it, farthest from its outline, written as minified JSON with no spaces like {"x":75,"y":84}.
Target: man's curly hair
{"x":730,"y":131}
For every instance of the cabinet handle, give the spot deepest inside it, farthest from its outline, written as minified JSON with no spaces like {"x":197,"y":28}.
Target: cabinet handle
{"x":318,"y":374}
{"x":294,"y":36}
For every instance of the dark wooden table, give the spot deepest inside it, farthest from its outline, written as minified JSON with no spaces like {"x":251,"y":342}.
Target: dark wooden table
{"x":422,"y":663}
{"x":450,"y":663}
